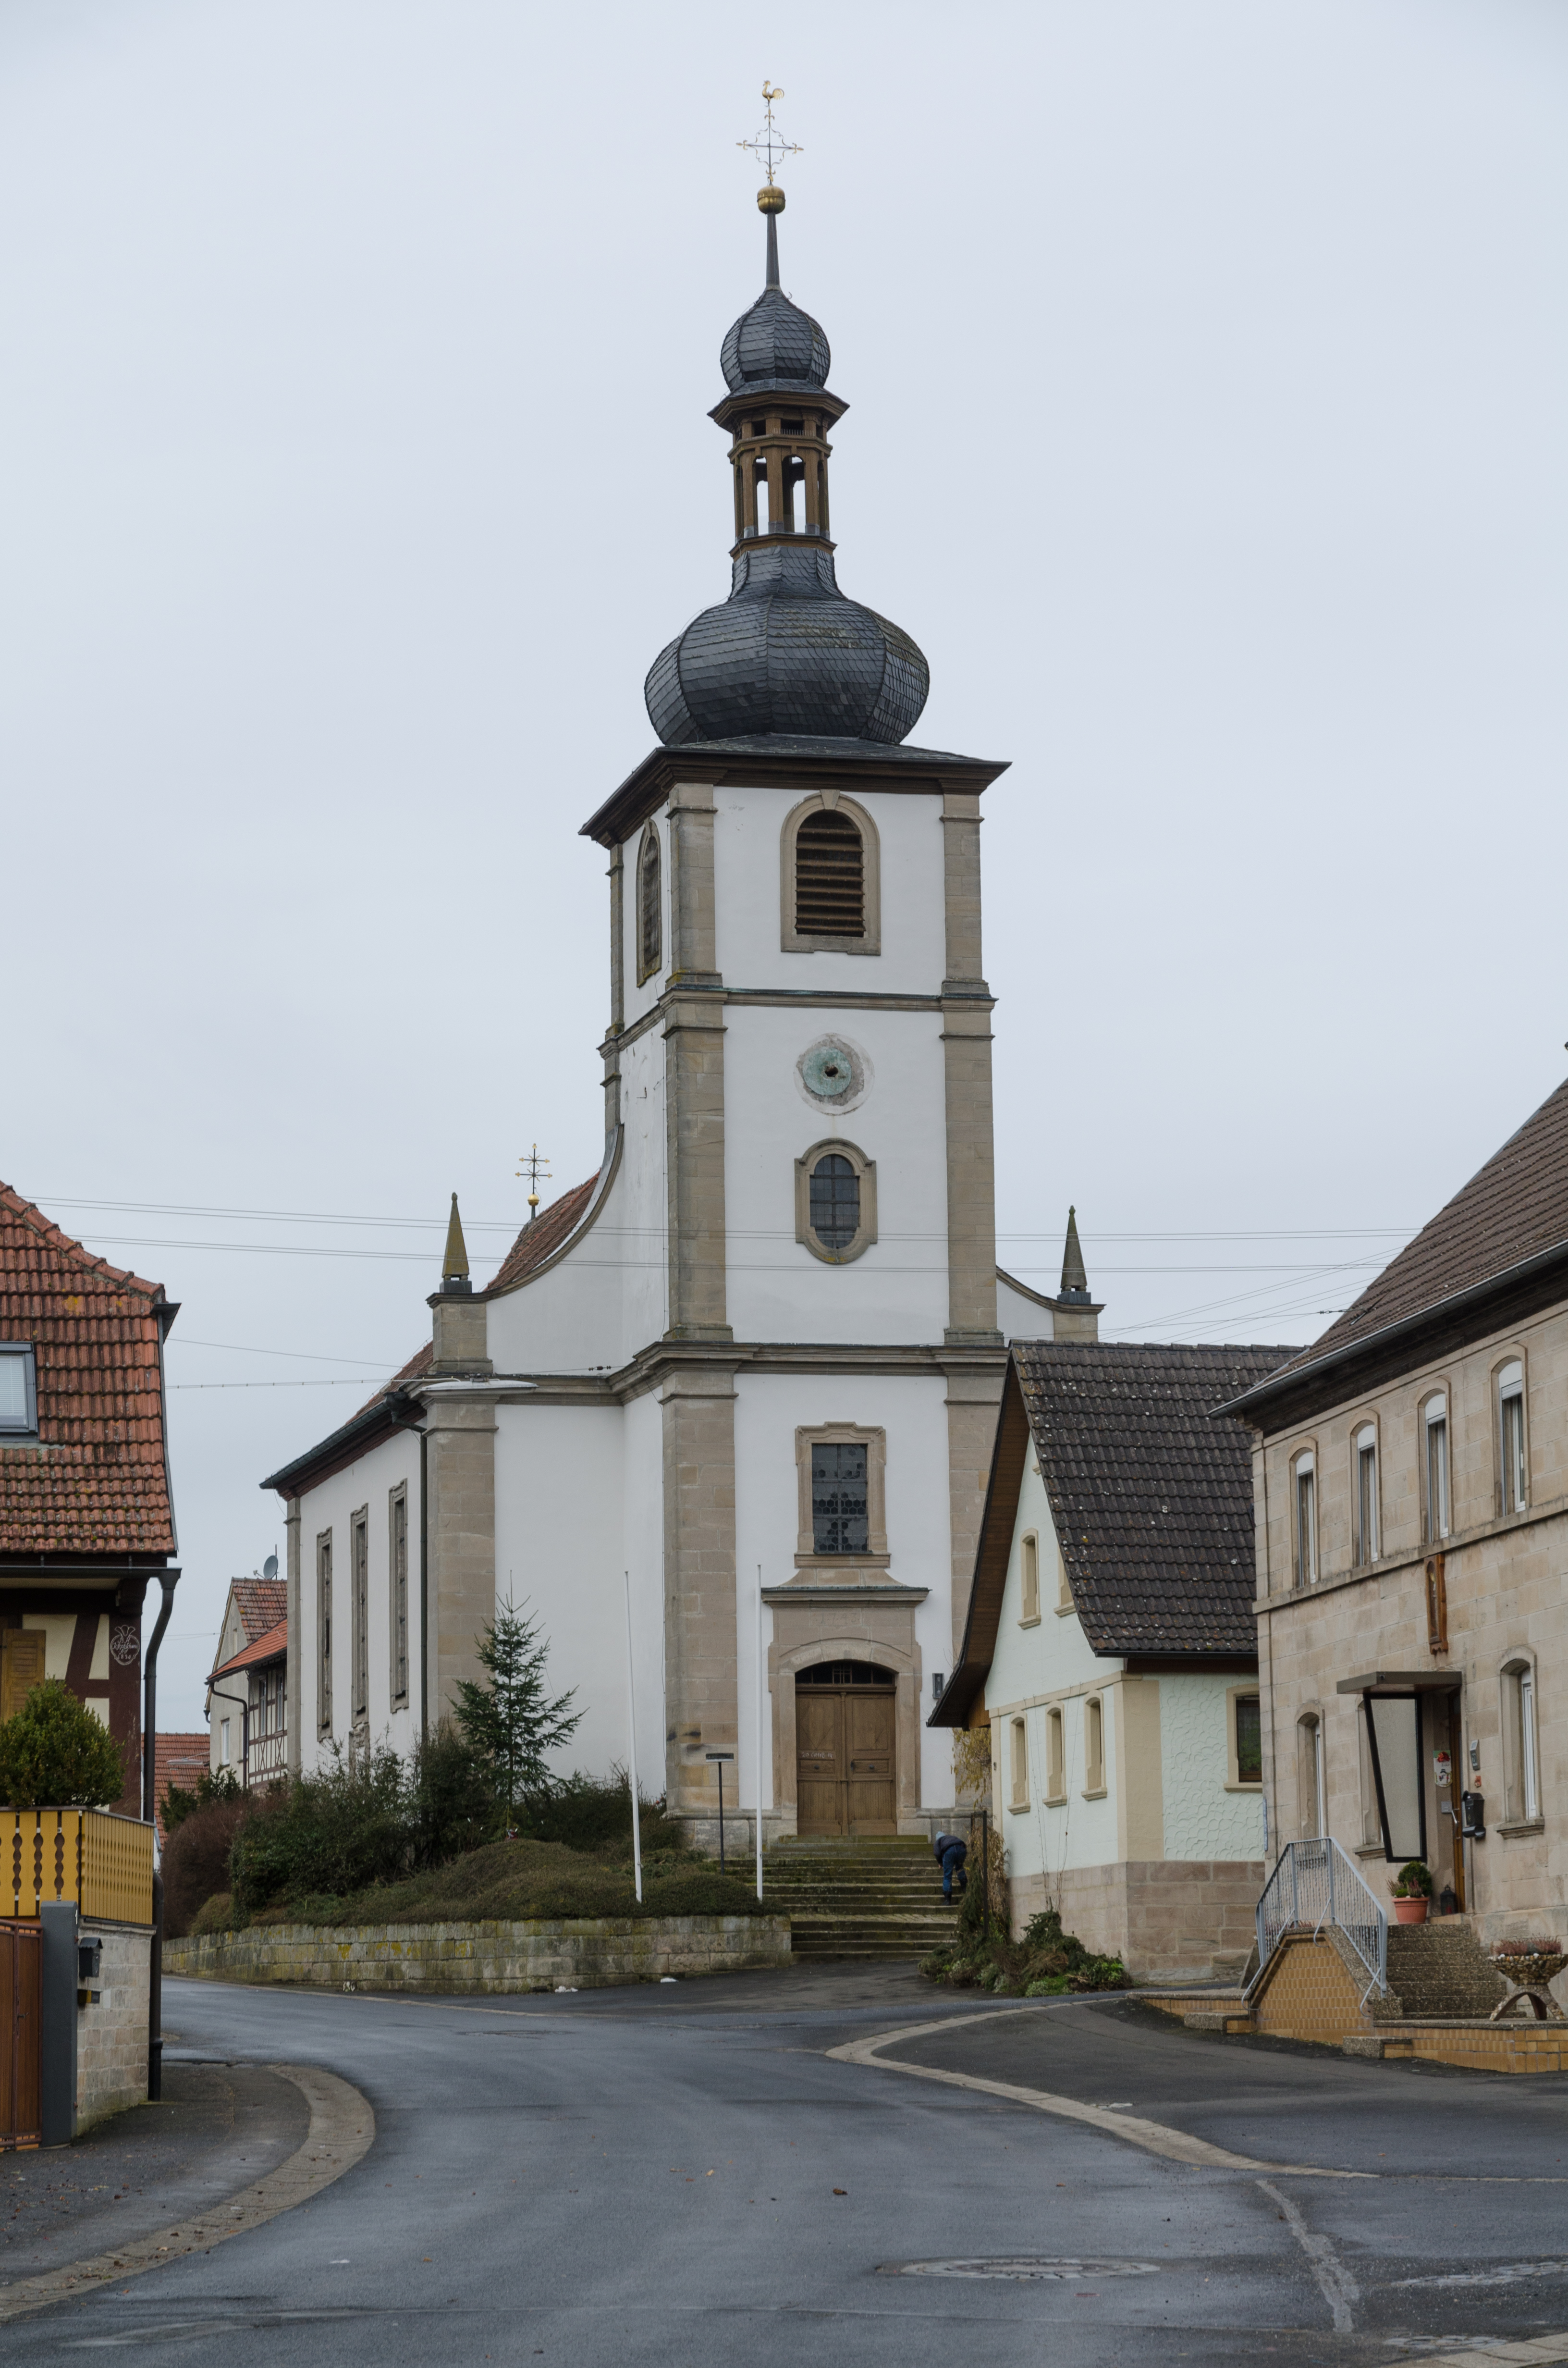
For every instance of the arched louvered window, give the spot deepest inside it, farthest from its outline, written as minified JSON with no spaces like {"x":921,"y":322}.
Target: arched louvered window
{"x":829,"y":877}
{"x":650,"y":907}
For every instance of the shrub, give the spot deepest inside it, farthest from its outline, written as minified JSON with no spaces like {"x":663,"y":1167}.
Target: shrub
{"x":215,"y":1915}
{"x":334,"y":1833}
{"x":177,"y":1805}
{"x":1413,"y":1880}
{"x":449,"y":1799}
{"x":56,"y":1753}
{"x":196,"y":1863}
{"x":1044,"y":1962}
{"x":592,"y":1812}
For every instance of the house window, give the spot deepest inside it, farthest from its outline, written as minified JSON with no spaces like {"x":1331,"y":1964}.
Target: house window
{"x":830,"y":878}
{"x":1056,"y":1757}
{"x":223,"y":1745}
{"x":1371,"y":1822}
{"x":1521,"y":1744}
{"x":1094,"y":1746}
{"x":19,"y":1388}
{"x":324,"y":1633}
{"x":1512,"y":1449}
{"x":1028,"y":1576}
{"x":1367,"y":1547}
{"x":835,"y":1201}
{"x":1434,"y":1468}
{"x":1306,"y":1517}
{"x":1018,"y":1763}
{"x":397,"y":1524}
{"x":360,"y":1551}
{"x":1246,"y":1740}
{"x":1312,"y":1783}
{"x":650,"y":906}
{"x":840,"y":1505}
{"x":1063,"y":1584}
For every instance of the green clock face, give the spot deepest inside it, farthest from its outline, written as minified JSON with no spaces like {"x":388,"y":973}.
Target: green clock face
{"x":828,"y":1071}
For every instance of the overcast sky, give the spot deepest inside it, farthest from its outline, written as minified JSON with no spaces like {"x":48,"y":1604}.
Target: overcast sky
{"x":1208,"y":376}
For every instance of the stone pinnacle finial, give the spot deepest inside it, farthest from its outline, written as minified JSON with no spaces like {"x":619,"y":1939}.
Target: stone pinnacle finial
{"x":454,"y":1275}
{"x":1075,"y":1281}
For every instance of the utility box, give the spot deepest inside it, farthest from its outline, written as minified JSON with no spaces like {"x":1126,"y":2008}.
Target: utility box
{"x":59,"y":1985}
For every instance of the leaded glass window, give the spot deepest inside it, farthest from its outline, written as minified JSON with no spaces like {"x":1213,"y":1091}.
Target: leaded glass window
{"x":835,"y":1201}
{"x":839,"y":1523}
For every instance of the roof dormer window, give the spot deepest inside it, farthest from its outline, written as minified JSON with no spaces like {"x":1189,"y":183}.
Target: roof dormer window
{"x":19,"y":1389}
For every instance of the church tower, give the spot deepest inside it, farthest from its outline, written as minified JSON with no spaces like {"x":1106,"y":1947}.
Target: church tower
{"x":727,"y":1408}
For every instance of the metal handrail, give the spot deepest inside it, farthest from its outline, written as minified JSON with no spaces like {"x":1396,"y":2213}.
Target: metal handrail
{"x":1314,"y":1883}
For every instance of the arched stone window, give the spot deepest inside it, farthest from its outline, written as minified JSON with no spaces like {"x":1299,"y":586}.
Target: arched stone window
{"x":835,"y":1201}
{"x":831,"y":877}
{"x":650,"y":906}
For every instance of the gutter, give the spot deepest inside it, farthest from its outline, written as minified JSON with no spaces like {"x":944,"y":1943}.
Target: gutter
{"x":1386,"y":1334}
{"x":396,"y":1411}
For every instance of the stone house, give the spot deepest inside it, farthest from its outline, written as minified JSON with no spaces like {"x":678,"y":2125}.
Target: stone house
{"x":1411,"y":1481}
{"x":1109,"y":1646}
{"x":247,"y":1692}
{"x":725,"y":1410}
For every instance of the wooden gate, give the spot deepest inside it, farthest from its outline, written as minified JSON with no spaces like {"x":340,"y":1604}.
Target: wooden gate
{"x":845,"y":1736}
{"x":21,"y":2035}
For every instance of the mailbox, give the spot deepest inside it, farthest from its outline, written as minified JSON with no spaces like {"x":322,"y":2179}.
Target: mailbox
{"x":89,"y":1959}
{"x":1474,"y":1804}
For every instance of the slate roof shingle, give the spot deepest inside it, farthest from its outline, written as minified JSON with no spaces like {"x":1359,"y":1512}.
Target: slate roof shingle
{"x":1514,"y":1208}
{"x":1152,"y":1500}
{"x":97,"y":1481}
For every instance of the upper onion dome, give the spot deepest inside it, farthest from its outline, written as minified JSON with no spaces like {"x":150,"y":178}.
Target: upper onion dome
{"x":774,"y":345}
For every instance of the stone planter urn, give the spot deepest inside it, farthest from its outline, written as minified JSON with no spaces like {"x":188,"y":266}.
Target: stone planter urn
{"x":1410,"y":1911}
{"x":1530,"y":1975}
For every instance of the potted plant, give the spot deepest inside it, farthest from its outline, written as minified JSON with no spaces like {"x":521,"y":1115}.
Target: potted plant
{"x":1411,"y":1892}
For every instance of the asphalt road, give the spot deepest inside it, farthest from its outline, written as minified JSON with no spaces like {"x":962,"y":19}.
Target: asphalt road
{"x":679,"y":2175}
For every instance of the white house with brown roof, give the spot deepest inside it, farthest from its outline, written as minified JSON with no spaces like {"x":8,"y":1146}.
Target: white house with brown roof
{"x":247,"y":1692}
{"x":1109,"y":1651}
{"x":1411,"y":1472}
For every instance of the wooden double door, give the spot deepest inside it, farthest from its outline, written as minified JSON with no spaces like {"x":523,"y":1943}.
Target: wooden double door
{"x":21,"y":2035}
{"x":846,"y":1751}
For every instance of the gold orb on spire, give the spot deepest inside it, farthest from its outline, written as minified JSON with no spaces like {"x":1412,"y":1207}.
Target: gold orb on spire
{"x":770,"y":199}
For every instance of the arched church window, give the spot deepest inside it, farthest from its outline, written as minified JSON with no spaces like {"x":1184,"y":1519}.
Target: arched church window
{"x":650,"y":907}
{"x":831,"y":877}
{"x":835,"y":1201}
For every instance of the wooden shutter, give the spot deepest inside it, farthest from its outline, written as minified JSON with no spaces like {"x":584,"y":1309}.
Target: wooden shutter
{"x":830,"y":878}
{"x":21,"y":1667}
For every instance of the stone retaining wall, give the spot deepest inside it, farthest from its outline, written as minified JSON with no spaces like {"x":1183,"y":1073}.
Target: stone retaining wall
{"x":584,"y":1952}
{"x":112,"y":2028}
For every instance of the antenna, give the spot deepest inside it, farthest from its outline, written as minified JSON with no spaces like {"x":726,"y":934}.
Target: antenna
{"x":269,"y":1568}
{"x":533,"y":1167}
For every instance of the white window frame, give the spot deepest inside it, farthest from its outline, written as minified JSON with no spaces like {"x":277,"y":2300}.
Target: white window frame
{"x":1304,"y":1533}
{"x":1366,"y":1483}
{"x":24,"y":1426}
{"x":1437,"y":1472}
{"x":1513,"y":1439}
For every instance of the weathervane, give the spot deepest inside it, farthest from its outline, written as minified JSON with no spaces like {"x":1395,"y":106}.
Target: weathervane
{"x":767,"y":145}
{"x":533,"y":1167}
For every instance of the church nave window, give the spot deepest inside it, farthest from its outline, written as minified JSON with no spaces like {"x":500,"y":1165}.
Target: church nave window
{"x":835,"y":1201}
{"x":840,"y":1502}
{"x":650,"y":906}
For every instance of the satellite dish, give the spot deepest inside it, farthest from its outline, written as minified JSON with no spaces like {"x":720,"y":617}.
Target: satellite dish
{"x":269,"y":1568}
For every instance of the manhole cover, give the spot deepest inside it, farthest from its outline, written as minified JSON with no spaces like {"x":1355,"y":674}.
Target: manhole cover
{"x":1020,"y":2265}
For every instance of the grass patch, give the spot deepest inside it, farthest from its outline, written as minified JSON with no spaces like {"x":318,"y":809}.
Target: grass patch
{"x":510,"y":1881}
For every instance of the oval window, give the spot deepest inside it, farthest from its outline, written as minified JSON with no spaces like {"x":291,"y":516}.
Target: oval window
{"x":835,"y":1201}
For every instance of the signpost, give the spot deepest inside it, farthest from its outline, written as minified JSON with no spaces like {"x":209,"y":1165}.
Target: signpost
{"x":721,"y":1758}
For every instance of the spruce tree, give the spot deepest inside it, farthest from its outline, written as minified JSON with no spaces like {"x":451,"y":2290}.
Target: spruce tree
{"x":508,"y":1724}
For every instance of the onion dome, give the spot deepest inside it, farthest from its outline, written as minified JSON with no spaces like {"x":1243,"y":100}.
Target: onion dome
{"x":788,"y":652}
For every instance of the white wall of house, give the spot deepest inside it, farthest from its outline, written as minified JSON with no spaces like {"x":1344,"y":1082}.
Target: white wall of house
{"x":1206,"y":1815}
{"x":332,"y":1506}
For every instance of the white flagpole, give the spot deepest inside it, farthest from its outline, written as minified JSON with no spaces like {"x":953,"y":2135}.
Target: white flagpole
{"x":631,"y":1731}
{"x":760,"y":1698}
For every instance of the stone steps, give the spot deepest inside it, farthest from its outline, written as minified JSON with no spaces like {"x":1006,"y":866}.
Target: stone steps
{"x":1439,"y":1971}
{"x":876,"y":1899}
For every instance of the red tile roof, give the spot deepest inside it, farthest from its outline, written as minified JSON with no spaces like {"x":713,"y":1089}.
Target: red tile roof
{"x":98,"y":1482}
{"x":1513,"y":1209}
{"x":179,"y":1759}
{"x":418,"y":1364}
{"x":540,"y":1239}
{"x":272,"y":1646}
{"x":261,"y":1604}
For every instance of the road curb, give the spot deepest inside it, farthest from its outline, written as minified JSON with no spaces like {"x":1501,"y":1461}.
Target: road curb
{"x":342,"y":2132}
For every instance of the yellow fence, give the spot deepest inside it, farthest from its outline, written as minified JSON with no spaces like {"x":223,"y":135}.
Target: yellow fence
{"x":103,"y":1862}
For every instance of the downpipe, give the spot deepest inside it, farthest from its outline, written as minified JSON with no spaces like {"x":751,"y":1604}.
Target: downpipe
{"x":168,"y":1580}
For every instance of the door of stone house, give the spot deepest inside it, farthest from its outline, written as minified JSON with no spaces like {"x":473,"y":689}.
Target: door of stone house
{"x":846,"y":1749}
{"x":21,"y":2035}
{"x":1443,"y":1741}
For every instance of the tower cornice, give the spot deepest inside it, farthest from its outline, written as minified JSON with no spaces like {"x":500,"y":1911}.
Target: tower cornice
{"x":783,"y":762}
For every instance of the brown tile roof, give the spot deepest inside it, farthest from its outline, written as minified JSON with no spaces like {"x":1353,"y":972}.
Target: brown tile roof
{"x":272,"y":1646}
{"x":1151,"y":1497}
{"x":98,"y":1482}
{"x":540,"y":1239}
{"x":418,"y":1364}
{"x":261,"y":1603}
{"x":177,"y":1760}
{"x":1513,"y":1209}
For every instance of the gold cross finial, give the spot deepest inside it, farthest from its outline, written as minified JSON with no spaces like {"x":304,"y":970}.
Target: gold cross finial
{"x":768,"y":146}
{"x":533,"y":1167}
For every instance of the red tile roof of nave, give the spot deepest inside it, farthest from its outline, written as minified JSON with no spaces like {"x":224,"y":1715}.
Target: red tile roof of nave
{"x":269,"y":1647}
{"x":179,"y":1759}
{"x":98,"y":1482}
{"x":418,"y":1364}
{"x":541,"y":1237}
{"x":262,"y":1603}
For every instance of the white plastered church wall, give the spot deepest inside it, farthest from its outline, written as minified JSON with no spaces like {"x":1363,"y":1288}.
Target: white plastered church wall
{"x":1020,"y":1317}
{"x":747,"y":841}
{"x":366,"y":1484}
